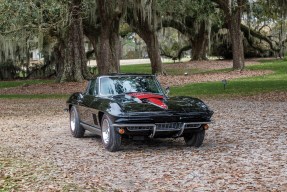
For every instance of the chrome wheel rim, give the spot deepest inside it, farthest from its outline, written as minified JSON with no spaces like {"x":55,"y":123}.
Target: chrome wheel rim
{"x":106,"y":131}
{"x":73,"y":120}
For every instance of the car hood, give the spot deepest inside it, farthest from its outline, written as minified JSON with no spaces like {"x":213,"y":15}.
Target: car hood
{"x":146,"y":102}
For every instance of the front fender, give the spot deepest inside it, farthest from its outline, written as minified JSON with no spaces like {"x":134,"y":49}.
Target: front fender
{"x":74,"y":98}
{"x":109,"y":107}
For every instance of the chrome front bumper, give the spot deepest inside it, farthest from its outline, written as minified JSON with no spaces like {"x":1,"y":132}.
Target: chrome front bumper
{"x":178,"y":127}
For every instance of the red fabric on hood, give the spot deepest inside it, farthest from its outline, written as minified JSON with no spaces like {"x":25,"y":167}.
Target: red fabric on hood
{"x":153,"y":98}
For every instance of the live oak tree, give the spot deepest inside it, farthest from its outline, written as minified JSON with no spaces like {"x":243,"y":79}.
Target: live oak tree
{"x":233,"y":10}
{"x":25,"y":21}
{"x":143,"y":18}
{"x":102,"y":29}
{"x":110,"y":13}
{"x":193,"y":19}
{"x":24,"y":27}
{"x":56,"y":28}
{"x":16,"y":34}
{"x":73,"y":66}
{"x":273,"y":14}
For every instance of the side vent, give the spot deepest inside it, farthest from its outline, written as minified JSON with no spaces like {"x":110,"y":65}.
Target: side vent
{"x":95,"y":119}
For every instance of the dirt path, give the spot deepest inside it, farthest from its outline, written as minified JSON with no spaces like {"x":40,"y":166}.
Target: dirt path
{"x":245,"y":150}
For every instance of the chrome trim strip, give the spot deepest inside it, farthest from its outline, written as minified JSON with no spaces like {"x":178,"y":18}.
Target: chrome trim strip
{"x":96,"y":130}
{"x":133,"y":125}
{"x":147,"y":125}
{"x":200,"y":122}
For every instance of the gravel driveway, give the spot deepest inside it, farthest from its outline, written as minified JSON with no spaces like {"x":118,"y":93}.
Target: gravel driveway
{"x":245,"y":150}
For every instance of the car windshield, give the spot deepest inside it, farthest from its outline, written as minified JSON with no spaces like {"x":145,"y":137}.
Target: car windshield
{"x":116,"y":85}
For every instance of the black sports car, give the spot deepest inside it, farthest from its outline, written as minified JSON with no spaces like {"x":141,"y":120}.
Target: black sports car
{"x":135,"y":106}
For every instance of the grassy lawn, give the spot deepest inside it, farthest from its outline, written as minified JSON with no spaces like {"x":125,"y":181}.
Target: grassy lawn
{"x":18,"y":83}
{"x":6,"y":84}
{"x":35,"y":96}
{"x":244,"y":86}
{"x":138,"y":68}
{"x":146,"y":69}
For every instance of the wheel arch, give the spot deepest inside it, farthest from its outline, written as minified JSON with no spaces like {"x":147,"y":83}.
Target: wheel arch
{"x":100,"y":115}
{"x":70,"y":106}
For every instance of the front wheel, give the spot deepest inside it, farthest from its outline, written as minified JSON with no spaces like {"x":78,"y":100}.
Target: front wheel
{"x":195,"y":139}
{"x":110,"y":138}
{"x":76,"y":129}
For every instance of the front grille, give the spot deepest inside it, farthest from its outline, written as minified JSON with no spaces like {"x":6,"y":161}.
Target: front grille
{"x":139,"y":128}
{"x":174,"y":126}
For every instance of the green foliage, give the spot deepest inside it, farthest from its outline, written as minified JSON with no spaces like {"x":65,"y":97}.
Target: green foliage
{"x":125,"y":29}
{"x":198,"y":9}
{"x":30,"y":15}
{"x":24,"y":24}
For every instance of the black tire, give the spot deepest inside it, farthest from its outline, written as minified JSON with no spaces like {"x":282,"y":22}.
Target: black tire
{"x":111,"y":139}
{"x":195,"y":139}
{"x":76,"y":129}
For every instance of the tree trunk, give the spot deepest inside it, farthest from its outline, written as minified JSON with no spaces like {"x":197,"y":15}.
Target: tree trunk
{"x":72,"y":50}
{"x":106,"y":43}
{"x":58,"y":54}
{"x":153,"y":50}
{"x":108,"y":49}
{"x":199,"y":43}
{"x":148,"y":34}
{"x":236,"y":39}
{"x":233,"y":17}
{"x":92,"y":33}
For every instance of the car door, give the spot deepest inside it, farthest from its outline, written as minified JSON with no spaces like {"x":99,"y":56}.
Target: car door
{"x":87,"y":114}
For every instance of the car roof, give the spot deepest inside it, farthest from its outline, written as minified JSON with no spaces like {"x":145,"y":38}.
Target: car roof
{"x":122,"y":74}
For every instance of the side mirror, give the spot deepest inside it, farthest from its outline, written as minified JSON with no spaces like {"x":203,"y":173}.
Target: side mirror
{"x":167,"y":90}
{"x":80,"y":98}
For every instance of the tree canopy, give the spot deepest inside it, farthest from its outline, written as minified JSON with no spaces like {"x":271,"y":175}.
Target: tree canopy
{"x":59,"y":30}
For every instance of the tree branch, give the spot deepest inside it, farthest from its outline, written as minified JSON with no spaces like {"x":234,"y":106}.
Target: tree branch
{"x":176,"y":25}
{"x":247,"y":32}
{"x":223,"y":5}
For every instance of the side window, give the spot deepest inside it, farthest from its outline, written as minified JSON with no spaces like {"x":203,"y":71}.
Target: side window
{"x":96,"y":87}
{"x":107,"y":86}
{"x":93,"y":87}
{"x":87,"y":88}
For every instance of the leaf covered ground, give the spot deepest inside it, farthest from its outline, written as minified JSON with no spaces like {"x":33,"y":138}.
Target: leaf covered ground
{"x":244,"y":150}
